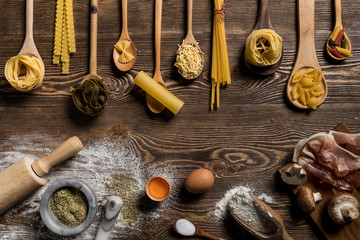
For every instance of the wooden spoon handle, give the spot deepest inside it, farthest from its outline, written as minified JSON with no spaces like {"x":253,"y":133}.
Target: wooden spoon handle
{"x":338,"y":13}
{"x":29,"y":18}
{"x":124,"y":19}
{"x":158,"y":12}
{"x":207,"y":235}
{"x":306,"y":49}
{"x":93,"y":37}
{"x":189,"y":15}
{"x":263,"y":21}
{"x":286,"y":236}
{"x":64,"y":151}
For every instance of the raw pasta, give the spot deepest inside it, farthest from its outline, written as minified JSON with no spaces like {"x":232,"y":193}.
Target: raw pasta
{"x":64,"y":37}
{"x":263,"y":48}
{"x":189,"y":60}
{"x":122,"y":46}
{"x":24,"y":73}
{"x":220,"y":71}
{"x":90,"y":97}
{"x":305,"y":87}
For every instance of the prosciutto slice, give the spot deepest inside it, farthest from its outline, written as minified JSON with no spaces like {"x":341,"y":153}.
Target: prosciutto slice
{"x":332,"y":158}
{"x":350,"y":142}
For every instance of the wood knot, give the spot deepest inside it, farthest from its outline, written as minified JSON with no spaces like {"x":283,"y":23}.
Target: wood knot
{"x":218,"y":167}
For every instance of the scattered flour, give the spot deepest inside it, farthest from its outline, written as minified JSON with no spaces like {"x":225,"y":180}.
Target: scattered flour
{"x":100,"y":158}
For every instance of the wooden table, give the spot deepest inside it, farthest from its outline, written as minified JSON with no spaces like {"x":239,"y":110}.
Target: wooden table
{"x":243,"y":143}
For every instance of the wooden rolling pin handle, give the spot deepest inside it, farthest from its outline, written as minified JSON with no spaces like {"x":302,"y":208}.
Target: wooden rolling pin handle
{"x":69,"y":148}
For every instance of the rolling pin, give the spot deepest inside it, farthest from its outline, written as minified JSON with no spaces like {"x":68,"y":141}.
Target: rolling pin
{"x":26,"y":176}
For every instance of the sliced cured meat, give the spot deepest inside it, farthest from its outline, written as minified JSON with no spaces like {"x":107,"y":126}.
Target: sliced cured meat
{"x":331,"y":155}
{"x":332,"y":158}
{"x":354,"y":178}
{"x":324,"y":174}
{"x":350,"y":142}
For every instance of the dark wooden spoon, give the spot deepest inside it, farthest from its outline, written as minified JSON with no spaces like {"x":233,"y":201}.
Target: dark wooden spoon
{"x":263,"y":22}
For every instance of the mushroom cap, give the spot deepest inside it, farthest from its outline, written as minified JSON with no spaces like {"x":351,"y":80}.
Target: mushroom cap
{"x":293,"y":174}
{"x":343,"y":208}
{"x":305,"y":199}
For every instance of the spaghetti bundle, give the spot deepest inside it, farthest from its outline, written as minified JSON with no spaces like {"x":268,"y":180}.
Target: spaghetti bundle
{"x":64,"y":37}
{"x":220,"y":72}
{"x":263,"y":48}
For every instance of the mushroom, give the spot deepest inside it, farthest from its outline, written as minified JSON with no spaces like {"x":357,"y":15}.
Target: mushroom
{"x":343,"y":208}
{"x":306,"y":199}
{"x":293,"y":174}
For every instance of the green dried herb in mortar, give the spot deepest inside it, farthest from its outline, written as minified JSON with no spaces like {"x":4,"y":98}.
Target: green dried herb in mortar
{"x":70,"y":206}
{"x":90,"y":97}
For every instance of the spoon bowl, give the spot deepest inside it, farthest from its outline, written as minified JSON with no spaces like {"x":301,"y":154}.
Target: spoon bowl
{"x":263,"y":22}
{"x":190,"y":39}
{"x":193,"y":230}
{"x":306,"y":53}
{"x":338,"y":23}
{"x":124,"y":36}
{"x":153,"y":104}
{"x":275,"y":225}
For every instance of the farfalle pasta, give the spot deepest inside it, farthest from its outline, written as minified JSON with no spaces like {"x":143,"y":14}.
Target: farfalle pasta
{"x":122,"y":47}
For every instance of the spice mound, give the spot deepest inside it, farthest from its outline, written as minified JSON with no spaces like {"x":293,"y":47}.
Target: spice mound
{"x":244,"y":207}
{"x":189,"y":60}
{"x":24,"y":73}
{"x":90,"y":97}
{"x":69,"y":206}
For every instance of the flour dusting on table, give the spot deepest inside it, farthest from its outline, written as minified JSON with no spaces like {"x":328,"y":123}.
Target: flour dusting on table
{"x":109,"y":167}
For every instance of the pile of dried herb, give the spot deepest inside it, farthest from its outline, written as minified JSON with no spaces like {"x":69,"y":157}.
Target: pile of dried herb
{"x":70,"y":206}
{"x":125,"y":187}
{"x":90,"y":97}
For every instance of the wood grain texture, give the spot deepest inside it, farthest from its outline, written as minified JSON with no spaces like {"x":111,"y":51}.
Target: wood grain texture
{"x":243,"y":143}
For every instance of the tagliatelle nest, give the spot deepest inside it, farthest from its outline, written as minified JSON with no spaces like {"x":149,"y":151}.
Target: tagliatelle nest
{"x":90,"y":97}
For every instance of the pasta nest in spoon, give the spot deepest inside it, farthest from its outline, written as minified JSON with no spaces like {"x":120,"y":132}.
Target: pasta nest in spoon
{"x":263,"y":48}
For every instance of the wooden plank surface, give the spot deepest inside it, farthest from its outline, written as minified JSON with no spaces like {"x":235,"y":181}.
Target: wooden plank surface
{"x":243,"y":143}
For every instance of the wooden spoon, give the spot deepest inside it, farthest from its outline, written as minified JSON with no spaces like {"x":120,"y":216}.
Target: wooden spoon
{"x":338,"y":23}
{"x":152,"y":103}
{"x":306,"y":53}
{"x":198,"y":232}
{"x":124,"y":36}
{"x":29,"y":47}
{"x":263,"y":22}
{"x":93,"y":43}
{"x":190,"y":39}
{"x":274,"y":220}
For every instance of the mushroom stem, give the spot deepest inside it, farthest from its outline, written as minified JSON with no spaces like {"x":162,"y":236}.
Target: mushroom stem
{"x":349,"y":213}
{"x":317,"y":197}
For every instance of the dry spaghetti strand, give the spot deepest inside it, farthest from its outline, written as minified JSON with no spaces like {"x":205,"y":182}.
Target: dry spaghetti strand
{"x":220,"y":71}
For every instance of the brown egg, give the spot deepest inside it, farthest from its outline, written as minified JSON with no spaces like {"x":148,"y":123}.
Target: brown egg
{"x":199,"y":181}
